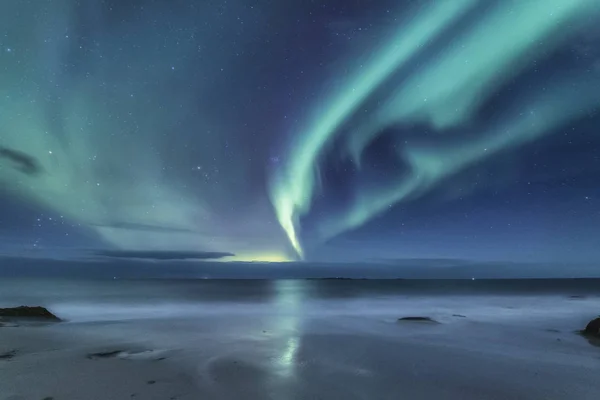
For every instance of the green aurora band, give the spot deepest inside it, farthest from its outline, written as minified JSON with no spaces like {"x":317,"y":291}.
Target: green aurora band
{"x":109,"y":110}
{"x":109,"y":120}
{"x":443,"y":93}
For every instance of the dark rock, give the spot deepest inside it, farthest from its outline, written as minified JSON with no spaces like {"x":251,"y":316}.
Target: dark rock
{"x":8,"y":355}
{"x":28,"y":312}
{"x":459,"y":315}
{"x":151,"y":382}
{"x":417,"y":319}
{"x":105,"y":354}
{"x":592,"y":332}
{"x":593,"y":328}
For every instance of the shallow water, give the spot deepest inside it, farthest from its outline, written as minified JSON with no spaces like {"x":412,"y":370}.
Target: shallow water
{"x":516,"y":301}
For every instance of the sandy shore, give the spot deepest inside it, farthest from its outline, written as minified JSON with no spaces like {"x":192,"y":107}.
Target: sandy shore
{"x":295,"y":341}
{"x":384,"y":360}
{"x":45,"y":365}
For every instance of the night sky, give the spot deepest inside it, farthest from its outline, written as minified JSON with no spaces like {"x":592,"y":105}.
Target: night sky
{"x":338,"y":130}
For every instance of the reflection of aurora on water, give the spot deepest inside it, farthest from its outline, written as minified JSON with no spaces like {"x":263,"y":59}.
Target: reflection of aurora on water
{"x":288,"y":305}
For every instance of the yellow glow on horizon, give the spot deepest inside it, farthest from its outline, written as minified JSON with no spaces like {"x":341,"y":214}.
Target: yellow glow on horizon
{"x":262,"y":257}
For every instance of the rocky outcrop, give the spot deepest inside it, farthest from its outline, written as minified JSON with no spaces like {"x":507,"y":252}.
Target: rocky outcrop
{"x":593,"y":328}
{"x":39,"y":313}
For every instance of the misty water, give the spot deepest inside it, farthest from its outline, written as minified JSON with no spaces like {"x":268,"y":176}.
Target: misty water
{"x":507,"y":300}
{"x":341,"y":337}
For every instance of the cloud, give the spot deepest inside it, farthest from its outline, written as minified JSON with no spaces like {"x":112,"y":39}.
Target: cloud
{"x":142,"y":227}
{"x":22,"y":161}
{"x":159,"y":255}
{"x":405,"y":269}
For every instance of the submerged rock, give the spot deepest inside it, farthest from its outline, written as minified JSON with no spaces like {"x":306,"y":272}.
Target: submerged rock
{"x":104,"y":354}
{"x":593,"y":328}
{"x":28,"y":312}
{"x":148,"y":355}
{"x":417,"y":319}
{"x":8,"y":355}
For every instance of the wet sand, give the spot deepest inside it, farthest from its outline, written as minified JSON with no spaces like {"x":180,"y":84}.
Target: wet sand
{"x":46,"y":365}
{"x":94,"y":361}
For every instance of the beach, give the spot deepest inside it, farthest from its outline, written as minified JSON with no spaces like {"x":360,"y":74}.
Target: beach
{"x":297,"y":340}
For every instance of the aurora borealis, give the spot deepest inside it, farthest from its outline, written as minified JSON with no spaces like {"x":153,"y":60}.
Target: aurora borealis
{"x":276,"y":131}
